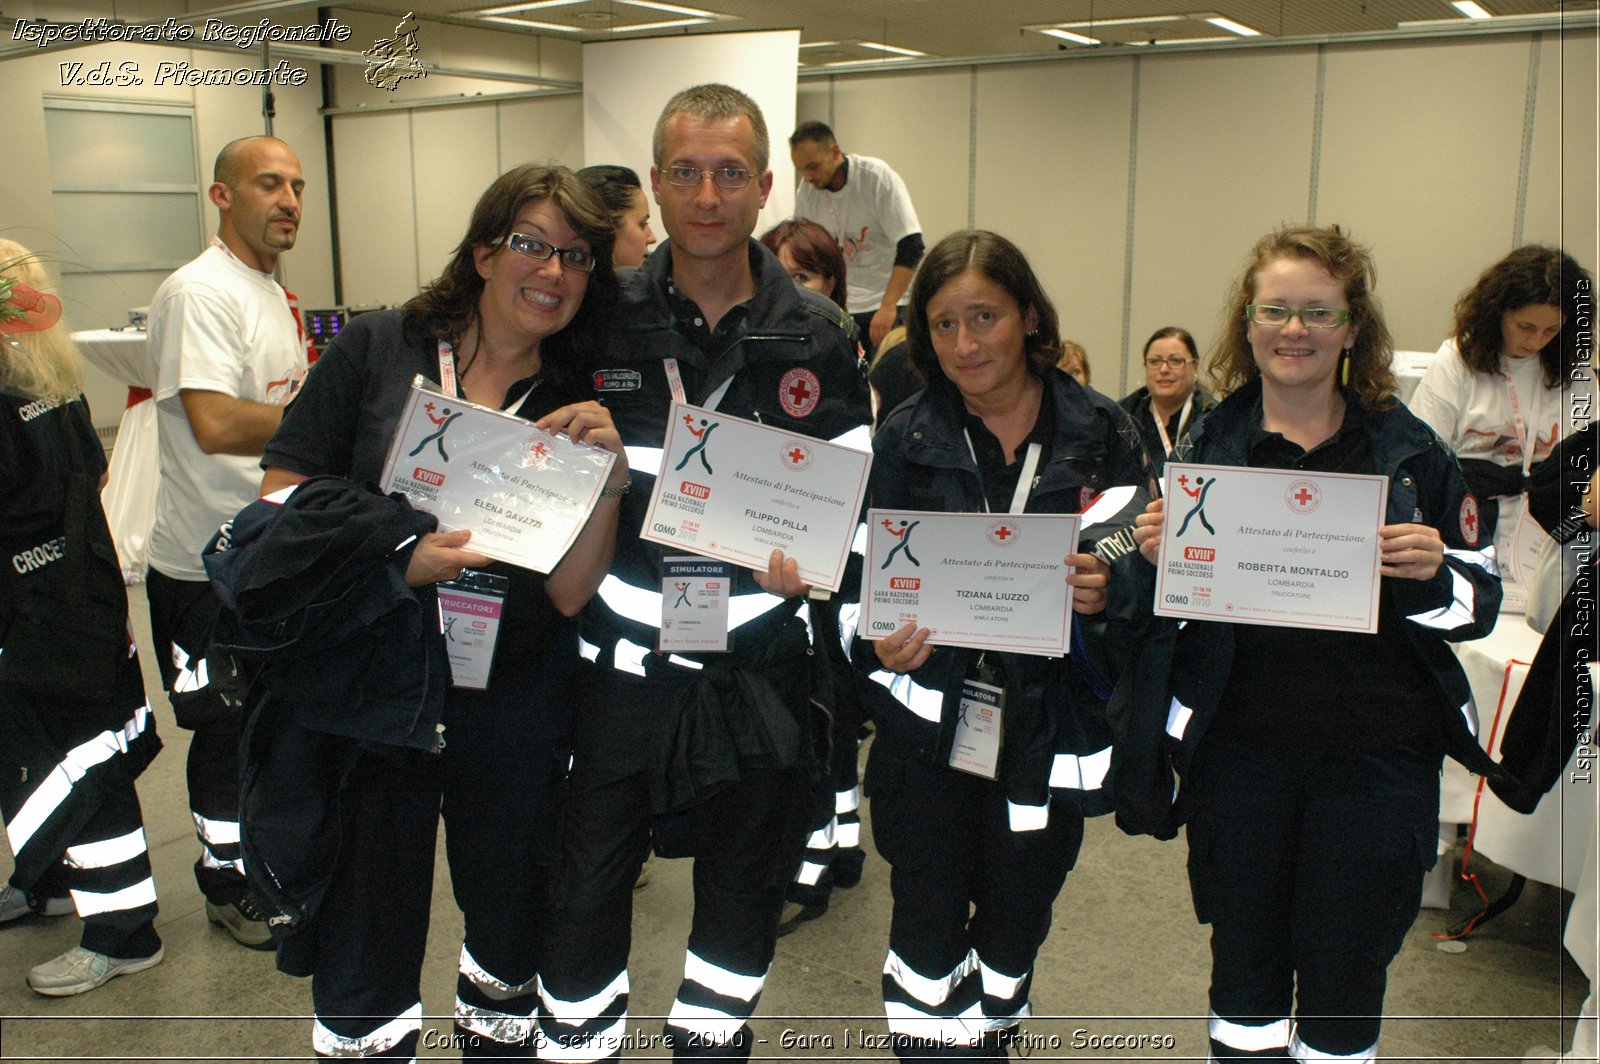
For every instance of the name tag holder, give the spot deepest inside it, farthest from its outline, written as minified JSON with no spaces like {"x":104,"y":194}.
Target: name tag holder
{"x":979,"y":724}
{"x":470,"y":610}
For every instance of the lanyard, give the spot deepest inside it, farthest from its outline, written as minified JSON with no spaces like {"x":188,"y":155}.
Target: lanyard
{"x":1030,"y":465}
{"x":448,"y":381}
{"x":1517,"y":420}
{"x":1161,"y":426}
{"x":447,"y":369}
{"x":675,"y":384}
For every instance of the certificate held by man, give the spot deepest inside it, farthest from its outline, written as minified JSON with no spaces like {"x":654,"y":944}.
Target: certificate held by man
{"x":1271,"y":546}
{"x":736,"y":490}
{"x":988,"y":581}
{"x":523,"y":492}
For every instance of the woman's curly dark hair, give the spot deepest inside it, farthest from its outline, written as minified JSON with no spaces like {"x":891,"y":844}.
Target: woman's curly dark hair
{"x":1371,"y":381}
{"x":1533,"y":274}
{"x":447,"y":308}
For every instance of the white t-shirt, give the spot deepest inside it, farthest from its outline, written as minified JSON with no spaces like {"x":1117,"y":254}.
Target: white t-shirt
{"x":868,"y":217}
{"x":1474,"y":413}
{"x":216,"y":325}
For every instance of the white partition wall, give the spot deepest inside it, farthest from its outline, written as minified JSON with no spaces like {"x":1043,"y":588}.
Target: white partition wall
{"x":1137,"y":182}
{"x":625,"y":84}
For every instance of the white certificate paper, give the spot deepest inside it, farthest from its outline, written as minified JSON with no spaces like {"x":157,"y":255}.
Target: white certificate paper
{"x":989,"y":581}
{"x":523,"y":492}
{"x":736,"y":489}
{"x":1271,"y":546}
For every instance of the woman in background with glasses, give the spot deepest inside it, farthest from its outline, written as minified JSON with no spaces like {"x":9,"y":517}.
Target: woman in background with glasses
{"x":1169,"y":404}
{"x":1310,"y":758}
{"x":525,"y":296}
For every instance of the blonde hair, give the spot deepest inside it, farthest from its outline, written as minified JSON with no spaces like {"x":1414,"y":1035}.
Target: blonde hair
{"x":37,"y":365}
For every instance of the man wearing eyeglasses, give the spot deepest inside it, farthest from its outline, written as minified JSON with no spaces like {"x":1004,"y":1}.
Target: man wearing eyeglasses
{"x":865,"y":205}
{"x":1170,"y":404}
{"x":704,"y":754}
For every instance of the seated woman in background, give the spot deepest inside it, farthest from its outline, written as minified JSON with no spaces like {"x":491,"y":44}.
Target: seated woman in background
{"x":1510,"y":385}
{"x":1074,"y":361}
{"x":978,"y":859}
{"x":68,"y":758}
{"x":619,"y":189}
{"x":1170,"y":404}
{"x":808,"y":252}
{"x":1312,"y":806}
{"x":526,"y":295}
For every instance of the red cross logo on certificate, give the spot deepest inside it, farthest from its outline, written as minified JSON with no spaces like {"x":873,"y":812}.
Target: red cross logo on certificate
{"x":796,"y":455}
{"x":1303,"y":496}
{"x":798,"y":392}
{"x":1003,"y":533}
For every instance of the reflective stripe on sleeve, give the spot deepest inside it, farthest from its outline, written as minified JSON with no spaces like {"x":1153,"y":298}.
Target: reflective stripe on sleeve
{"x":587,"y":650}
{"x":925,"y":702}
{"x":1454,"y":614}
{"x":858,"y":438}
{"x":1178,"y":717}
{"x":1109,"y":503}
{"x":644,"y":459}
{"x":628,"y":657}
{"x":1028,"y":817}
{"x":1081,"y":772}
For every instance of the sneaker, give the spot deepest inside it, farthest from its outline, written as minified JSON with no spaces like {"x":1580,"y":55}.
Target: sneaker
{"x":243,"y":920}
{"x":15,"y":904}
{"x":80,"y":970}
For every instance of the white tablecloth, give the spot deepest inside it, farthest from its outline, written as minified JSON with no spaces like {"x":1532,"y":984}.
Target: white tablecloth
{"x":1557,"y":843}
{"x":123,"y":353}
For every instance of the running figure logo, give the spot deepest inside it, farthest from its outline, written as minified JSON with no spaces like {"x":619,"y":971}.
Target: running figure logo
{"x":1198,"y":493}
{"x":903,"y":534}
{"x":392,"y":60}
{"x":683,"y":593}
{"x":703,"y":434}
{"x":449,"y":628}
{"x":442,"y":420}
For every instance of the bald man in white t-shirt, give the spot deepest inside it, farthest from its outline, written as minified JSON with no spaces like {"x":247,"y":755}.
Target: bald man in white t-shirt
{"x":228,"y":352}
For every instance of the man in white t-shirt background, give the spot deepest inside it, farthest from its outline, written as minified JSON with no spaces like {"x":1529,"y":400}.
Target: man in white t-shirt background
{"x":865,"y":205}
{"x":228,"y":352}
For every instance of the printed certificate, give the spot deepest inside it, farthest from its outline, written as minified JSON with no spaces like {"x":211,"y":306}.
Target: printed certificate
{"x":1271,"y":546}
{"x":989,"y":581}
{"x":523,"y":492}
{"x":736,"y":489}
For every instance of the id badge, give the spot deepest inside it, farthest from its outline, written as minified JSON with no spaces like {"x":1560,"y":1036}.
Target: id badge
{"x":694,"y":605}
{"x":978,"y":725}
{"x":470,"y":607}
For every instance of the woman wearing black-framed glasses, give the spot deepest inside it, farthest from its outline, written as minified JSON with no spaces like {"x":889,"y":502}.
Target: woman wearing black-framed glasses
{"x":526,"y":294}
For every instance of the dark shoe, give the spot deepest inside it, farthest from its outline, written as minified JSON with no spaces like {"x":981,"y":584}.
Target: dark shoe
{"x":846,"y":868}
{"x":80,"y":970}
{"x":15,"y":904}
{"x":796,"y":913}
{"x":243,"y":920}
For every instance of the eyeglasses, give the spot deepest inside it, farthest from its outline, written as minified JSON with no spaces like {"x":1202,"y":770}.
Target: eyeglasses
{"x":729,"y":177}
{"x":1167,"y":363}
{"x":1310,"y":317}
{"x":579,"y":259}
